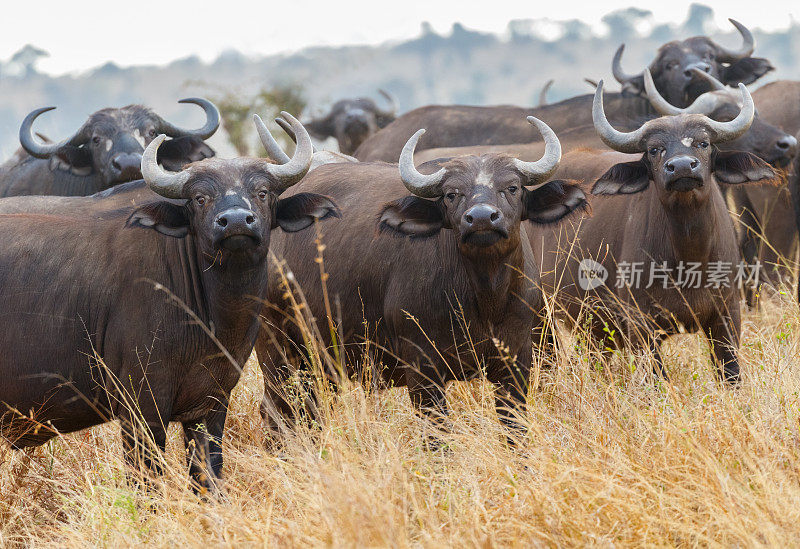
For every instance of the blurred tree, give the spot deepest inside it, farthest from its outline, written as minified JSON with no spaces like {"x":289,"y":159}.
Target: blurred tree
{"x":23,"y":63}
{"x":698,"y":20}
{"x":622,"y":23}
{"x":237,"y":109}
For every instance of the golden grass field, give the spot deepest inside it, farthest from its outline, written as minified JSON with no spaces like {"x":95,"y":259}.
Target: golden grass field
{"x":611,"y":459}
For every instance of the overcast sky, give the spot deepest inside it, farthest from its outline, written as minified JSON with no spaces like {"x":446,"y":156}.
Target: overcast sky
{"x":87,"y":33}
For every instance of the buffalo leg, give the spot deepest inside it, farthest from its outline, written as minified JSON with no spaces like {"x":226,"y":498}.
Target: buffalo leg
{"x":794,"y":191}
{"x":658,"y":362}
{"x":278,"y":409}
{"x":140,"y":447}
{"x":426,"y":389}
{"x":203,"y":441}
{"x":724,"y":337}
{"x":512,"y":390}
{"x":545,"y":342}
{"x":749,"y":243}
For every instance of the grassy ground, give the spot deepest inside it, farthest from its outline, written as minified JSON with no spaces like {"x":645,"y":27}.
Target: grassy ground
{"x":611,"y":459}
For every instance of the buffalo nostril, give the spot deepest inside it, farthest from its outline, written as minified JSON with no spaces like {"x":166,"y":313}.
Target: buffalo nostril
{"x":222,"y":222}
{"x":250,"y":220}
{"x":468,"y":218}
{"x":495,"y":216}
{"x":783,"y":144}
{"x":693,"y":164}
{"x":670,"y":167}
{"x":688,"y":74}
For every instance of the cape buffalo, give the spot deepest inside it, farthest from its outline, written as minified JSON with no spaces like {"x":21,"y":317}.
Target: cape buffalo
{"x":721,"y":103}
{"x":133,"y":306}
{"x":351,"y":121}
{"x":659,"y":214}
{"x":768,"y":211}
{"x":105,"y":151}
{"x":673,"y":73}
{"x":439,"y":279}
{"x":458,"y":125}
{"x":276,"y":154}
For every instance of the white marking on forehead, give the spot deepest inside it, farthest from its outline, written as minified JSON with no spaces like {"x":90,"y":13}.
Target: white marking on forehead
{"x":138,"y":136}
{"x":109,"y":144}
{"x":230,"y":192}
{"x":687,"y":141}
{"x":484,"y":179}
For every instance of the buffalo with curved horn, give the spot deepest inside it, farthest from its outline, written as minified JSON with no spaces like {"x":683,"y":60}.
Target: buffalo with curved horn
{"x":352,"y":121}
{"x":105,"y":151}
{"x":660,"y":241}
{"x":673,"y":68}
{"x":203,"y":240}
{"x":444,"y":229}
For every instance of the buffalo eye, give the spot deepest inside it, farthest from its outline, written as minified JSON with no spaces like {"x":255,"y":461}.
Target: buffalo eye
{"x":654,"y":151}
{"x":704,"y":144}
{"x":200,"y":199}
{"x":262,"y":194}
{"x":672,"y":65}
{"x":96,"y":140}
{"x":512,"y":189}
{"x":451,"y":196}
{"x":152,"y":132}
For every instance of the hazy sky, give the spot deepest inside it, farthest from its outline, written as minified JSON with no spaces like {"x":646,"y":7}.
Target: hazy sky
{"x":86,"y":33}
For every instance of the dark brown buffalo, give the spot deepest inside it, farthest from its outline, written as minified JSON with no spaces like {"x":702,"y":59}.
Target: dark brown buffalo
{"x":721,"y":103}
{"x":105,"y":151}
{"x":673,"y":68}
{"x":351,"y":121}
{"x":462,"y":125}
{"x":458,"y":125}
{"x":133,"y":306}
{"x":661,"y":207}
{"x":768,"y":211}
{"x":418,"y":271}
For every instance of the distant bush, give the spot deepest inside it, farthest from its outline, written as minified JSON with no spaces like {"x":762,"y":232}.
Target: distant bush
{"x":237,"y":110}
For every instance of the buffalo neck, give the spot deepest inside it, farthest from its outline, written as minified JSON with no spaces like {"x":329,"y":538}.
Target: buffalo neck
{"x":225,"y":297}
{"x":496,"y":274}
{"x":692,"y":224}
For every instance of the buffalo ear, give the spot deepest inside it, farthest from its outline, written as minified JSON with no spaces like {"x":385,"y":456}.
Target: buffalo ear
{"x":296,"y":212}
{"x":746,"y":71}
{"x":553,"y":201}
{"x":75,"y":157}
{"x":174,"y":154}
{"x":382,"y":120}
{"x":320,"y":128}
{"x":742,"y":167}
{"x":165,"y":217}
{"x":634,"y":86}
{"x":624,"y":178}
{"x":412,"y":216}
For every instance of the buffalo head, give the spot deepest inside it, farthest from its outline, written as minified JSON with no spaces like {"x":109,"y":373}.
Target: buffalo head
{"x":673,"y":73}
{"x":351,"y":121}
{"x":724,"y":104}
{"x":230,"y":206}
{"x":680,"y":155}
{"x":482,"y":199}
{"x":111,"y":142}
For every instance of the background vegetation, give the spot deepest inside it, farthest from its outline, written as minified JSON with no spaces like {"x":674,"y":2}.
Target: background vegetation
{"x":461,"y":67}
{"x":611,"y":459}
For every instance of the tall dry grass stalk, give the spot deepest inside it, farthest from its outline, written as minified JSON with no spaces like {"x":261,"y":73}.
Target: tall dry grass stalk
{"x":611,"y":459}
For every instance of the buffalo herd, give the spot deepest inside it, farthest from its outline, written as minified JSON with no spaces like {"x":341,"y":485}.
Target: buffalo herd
{"x":138,"y":271}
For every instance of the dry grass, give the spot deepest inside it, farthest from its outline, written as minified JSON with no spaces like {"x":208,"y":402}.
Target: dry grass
{"x":610,"y":459}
